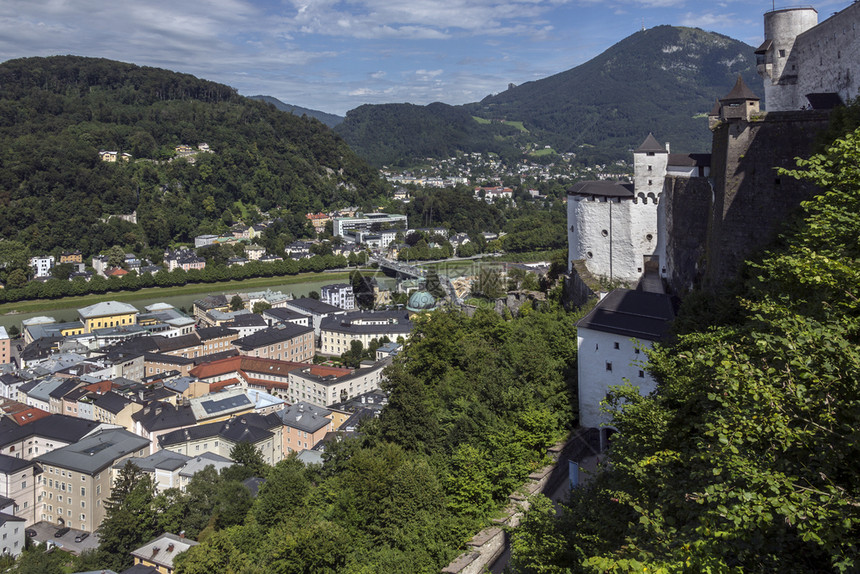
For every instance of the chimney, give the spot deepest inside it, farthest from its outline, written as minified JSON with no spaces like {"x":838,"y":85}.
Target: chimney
{"x":667,"y":148}
{"x":170,"y":547}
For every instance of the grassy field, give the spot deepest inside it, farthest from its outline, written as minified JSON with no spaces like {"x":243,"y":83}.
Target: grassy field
{"x":518,"y":125}
{"x":193,"y":289}
{"x":542,"y":152}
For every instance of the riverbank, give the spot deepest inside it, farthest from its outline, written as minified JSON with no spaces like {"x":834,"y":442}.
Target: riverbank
{"x":256,"y":283}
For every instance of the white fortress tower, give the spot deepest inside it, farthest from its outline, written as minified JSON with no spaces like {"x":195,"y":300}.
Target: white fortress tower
{"x":776,"y":61}
{"x":805,"y":63}
{"x":614,"y":227}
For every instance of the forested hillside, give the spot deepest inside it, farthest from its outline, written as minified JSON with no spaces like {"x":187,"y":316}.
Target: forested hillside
{"x":401,"y":134}
{"x":662,"y":80}
{"x":745,"y":459}
{"x":57,"y":113}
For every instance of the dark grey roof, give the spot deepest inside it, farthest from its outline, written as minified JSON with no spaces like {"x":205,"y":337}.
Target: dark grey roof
{"x":602,"y":189}
{"x":690,"y":159}
{"x":312,"y":306}
{"x":251,"y":427}
{"x":650,"y":145}
{"x":305,"y":417}
{"x":162,"y":415}
{"x":253,"y":484}
{"x":277,"y":334}
{"x":64,"y":388}
{"x":111,"y":402}
{"x":58,"y":427}
{"x":136,"y":569}
{"x":10,"y":379}
{"x":211,"y":302}
{"x":95,"y":452}
{"x":283,"y":314}
{"x":635,"y":314}
{"x":215,"y":356}
{"x":247,"y":320}
{"x":4,"y":518}
{"x":740,"y":92}
{"x":214,"y":406}
{"x":389,"y":322}
{"x":715,"y":110}
{"x":161,"y":460}
{"x":10,"y":464}
{"x":765,"y":46}
{"x":208,"y":333}
{"x":166,"y":344}
{"x":167,"y":359}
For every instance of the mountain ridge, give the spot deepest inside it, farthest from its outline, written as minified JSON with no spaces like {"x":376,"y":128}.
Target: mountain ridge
{"x":663,"y":80}
{"x":328,"y":119}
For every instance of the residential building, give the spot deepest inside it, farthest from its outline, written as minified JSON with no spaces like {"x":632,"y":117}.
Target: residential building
{"x":42,"y":265}
{"x":115,"y":409}
{"x":270,"y":375}
{"x":284,"y":315}
{"x":263,"y":432}
{"x":5,"y":347}
{"x":318,"y":220}
{"x":221,"y":405}
{"x":42,"y":435}
{"x":12,"y":537}
{"x":159,"y":418}
{"x":71,"y":257}
{"x":18,"y":483}
{"x":287,"y":341}
{"x":161,"y":552}
{"x":76,"y":480}
{"x":185,"y":259}
{"x":337,"y":333}
{"x":322,"y":386}
{"x":305,"y":425}
{"x":316,"y":310}
{"x":338,"y":295}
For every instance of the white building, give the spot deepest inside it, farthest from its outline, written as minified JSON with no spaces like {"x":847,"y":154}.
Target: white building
{"x":614,"y":226}
{"x":365,"y":228}
{"x":339,"y":295}
{"x":805,"y":63}
{"x":610,"y":344}
{"x":42,"y":265}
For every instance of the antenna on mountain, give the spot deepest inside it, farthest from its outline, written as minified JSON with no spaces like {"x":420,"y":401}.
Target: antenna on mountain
{"x":643,"y":21}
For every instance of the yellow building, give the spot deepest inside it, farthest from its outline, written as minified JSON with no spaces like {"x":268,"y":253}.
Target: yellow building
{"x":161,"y":552}
{"x":107,"y":314}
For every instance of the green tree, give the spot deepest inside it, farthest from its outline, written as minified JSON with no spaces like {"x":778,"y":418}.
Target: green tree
{"x":17,"y":278}
{"x":249,"y":460}
{"x":236,"y":303}
{"x":261,"y":306}
{"x":116,"y":256}
{"x":129,"y":516}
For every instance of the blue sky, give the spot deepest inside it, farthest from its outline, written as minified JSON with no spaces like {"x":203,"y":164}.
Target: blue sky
{"x":334,"y":55}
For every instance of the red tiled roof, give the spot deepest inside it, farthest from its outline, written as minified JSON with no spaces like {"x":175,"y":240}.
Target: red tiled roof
{"x":244,"y":363}
{"x":29,"y":415}
{"x":118,"y":272}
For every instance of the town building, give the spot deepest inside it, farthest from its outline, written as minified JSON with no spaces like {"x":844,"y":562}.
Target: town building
{"x":76,"y":480}
{"x":338,"y":332}
{"x":338,"y":295}
{"x":107,"y":314}
{"x":161,"y":552}
{"x":286,"y":341}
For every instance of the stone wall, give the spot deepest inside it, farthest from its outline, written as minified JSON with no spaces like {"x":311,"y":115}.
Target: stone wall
{"x":485,"y":548}
{"x":751,"y":200}
{"x":687,"y":204}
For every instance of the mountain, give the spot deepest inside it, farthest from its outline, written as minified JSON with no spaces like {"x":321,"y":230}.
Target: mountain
{"x":662,"y":80}
{"x":58,"y":113}
{"x":330,"y":120}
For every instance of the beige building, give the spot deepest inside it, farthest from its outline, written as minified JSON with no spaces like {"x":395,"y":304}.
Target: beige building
{"x":161,"y":552}
{"x":76,"y":480}
{"x":107,"y":314}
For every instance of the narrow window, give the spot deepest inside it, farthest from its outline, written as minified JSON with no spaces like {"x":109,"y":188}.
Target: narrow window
{"x":608,"y":366}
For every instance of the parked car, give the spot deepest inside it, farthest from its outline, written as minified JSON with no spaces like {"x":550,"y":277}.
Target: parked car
{"x":30,"y":533}
{"x":61,"y":532}
{"x":82,"y":536}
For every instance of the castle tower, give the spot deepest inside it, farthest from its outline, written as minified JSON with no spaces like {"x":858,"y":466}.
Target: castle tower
{"x":650,"y":164}
{"x":612,"y":226}
{"x":775,"y":63}
{"x":739,"y":104}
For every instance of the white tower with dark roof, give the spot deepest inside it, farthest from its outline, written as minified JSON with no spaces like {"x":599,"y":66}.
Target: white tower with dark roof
{"x":614,"y":227}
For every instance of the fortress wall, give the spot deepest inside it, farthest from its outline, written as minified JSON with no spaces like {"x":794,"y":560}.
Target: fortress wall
{"x":687,"y":204}
{"x":752,"y":201}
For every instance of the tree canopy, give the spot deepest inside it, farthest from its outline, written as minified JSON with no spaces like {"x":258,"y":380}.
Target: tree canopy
{"x":744,"y":460}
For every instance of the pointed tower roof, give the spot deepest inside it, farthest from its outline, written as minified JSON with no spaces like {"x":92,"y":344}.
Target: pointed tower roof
{"x":715,"y":111}
{"x":650,"y":145}
{"x":740,"y":92}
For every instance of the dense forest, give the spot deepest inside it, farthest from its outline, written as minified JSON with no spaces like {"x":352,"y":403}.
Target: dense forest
{"x":745,"y":459}
{"x":57,"y":113}
{"x":662,"y":80}
{"x":403,"y":134}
